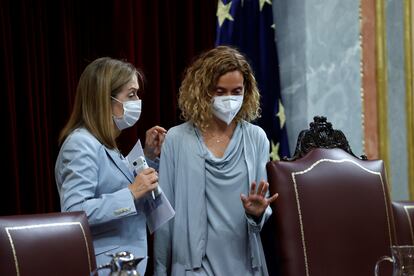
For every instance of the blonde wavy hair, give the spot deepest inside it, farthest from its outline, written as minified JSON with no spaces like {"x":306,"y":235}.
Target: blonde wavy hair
{"x":101,"y":79}
{"x":200,"y":79}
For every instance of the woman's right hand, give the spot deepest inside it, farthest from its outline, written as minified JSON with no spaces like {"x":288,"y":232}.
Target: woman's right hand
{"x":144,"y":182}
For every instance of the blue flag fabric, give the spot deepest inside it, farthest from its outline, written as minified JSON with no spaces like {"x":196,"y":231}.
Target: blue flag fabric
{"x":248,"y":26}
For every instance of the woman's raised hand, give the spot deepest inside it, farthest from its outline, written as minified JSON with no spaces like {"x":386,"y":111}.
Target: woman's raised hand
{"x":154,"y":137}
{"x":256,"y":202}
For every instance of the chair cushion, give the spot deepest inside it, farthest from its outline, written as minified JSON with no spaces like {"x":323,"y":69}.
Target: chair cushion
{"x":46,"y":244}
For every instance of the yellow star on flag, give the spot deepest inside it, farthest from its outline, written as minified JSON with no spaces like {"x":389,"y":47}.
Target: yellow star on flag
{"x":274,"y":155}
{"x":262,"y":2}
{"x":223,"y":12}
{"x":281,"y":115}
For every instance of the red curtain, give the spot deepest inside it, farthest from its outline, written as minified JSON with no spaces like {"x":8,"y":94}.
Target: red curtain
{"x":44,"y":47}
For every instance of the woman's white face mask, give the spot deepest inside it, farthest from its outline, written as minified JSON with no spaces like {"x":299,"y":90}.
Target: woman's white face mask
{"x":132,"y":112}
{"x":226,"y":107}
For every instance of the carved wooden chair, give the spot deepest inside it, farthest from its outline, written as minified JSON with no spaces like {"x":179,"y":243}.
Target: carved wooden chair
{"x":333,"y":215}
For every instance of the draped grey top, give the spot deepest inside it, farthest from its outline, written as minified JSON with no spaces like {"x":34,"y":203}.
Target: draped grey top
{"x":190,"y":177}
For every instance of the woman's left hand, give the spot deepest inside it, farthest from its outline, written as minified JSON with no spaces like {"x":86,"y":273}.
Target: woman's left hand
{"x":154,"y":137}
{"x":256,"y":203}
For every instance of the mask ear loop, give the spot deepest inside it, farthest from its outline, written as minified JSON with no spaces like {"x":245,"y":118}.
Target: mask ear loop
{"x":117,"y":100}
{"x":122,"y":107}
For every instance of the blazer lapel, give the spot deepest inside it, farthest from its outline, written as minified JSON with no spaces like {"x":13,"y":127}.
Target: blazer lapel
{"x":115,"y":157}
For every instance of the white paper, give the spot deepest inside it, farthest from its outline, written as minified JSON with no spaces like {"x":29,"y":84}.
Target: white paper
{"x":135,"y":155}
{"x":157,"y":208}
{"x":157,"y":211}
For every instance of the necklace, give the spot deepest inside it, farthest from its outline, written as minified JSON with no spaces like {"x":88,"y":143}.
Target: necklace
{"x":219,"y":139}
{"x":216,"y":138}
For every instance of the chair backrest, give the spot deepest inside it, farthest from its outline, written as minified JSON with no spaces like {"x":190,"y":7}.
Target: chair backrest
{"x":404,"y":219}
{"x":46,"y":244}
{"x":333,"y":215}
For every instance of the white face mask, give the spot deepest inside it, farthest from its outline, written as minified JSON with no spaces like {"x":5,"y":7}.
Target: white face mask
{"x":226,"y":107}
{"x":132,"y":112}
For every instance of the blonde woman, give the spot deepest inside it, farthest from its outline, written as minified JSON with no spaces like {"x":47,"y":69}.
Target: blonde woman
{"x":92,"y":175}
{"x":212,"y":169}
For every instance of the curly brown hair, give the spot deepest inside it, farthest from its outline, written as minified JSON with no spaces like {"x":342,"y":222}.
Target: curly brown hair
{"x":198,"y":86}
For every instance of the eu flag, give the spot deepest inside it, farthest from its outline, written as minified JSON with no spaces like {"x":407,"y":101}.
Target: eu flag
{"x":248,"y":26}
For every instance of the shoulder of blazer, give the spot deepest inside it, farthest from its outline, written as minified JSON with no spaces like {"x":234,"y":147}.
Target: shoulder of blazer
{"x":82,"y":138}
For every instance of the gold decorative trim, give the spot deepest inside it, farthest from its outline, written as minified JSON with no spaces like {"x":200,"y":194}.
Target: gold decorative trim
{"x":361,"y":74}
{"x":14,"y":228}
{"x":302,"y":230}
{"x":382,"y":77}
{"x":409,"y":221}
{"x":408,"y":64}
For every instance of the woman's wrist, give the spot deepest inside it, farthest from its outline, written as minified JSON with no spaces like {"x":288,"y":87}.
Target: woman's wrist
{"x":150,"y":154}
{"x":257,"y":219}
{"x":132,"y":192}
{"x":136,"y":193}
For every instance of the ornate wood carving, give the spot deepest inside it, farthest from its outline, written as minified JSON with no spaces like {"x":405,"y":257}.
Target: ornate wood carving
{"x":320,"y":135}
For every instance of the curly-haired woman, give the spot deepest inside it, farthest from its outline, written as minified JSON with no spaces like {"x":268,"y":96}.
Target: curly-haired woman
{"x":212,"y":169}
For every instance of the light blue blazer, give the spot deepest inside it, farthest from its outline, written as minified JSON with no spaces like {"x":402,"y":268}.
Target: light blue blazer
{"x":94,"y":179}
